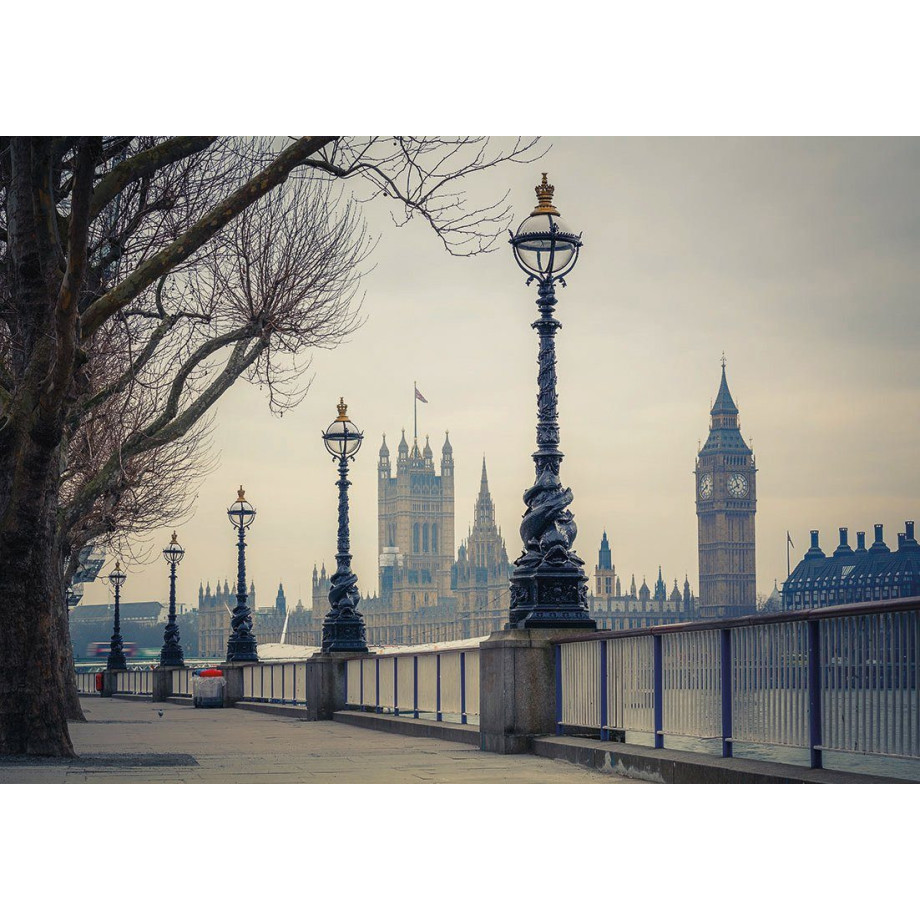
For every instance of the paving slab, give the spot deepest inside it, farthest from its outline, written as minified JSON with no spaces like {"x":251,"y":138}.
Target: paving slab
{"x":128,"y":741}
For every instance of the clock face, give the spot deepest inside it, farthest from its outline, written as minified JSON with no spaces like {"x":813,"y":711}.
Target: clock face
{"x":706,"y":485}
{"x":737,"y":485}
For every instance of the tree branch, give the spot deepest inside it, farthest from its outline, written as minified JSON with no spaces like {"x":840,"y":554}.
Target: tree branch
{"x":200,"y":232}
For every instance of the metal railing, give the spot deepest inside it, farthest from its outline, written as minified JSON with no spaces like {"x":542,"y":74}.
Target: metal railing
{"x":276,"y":683}
{"x":839,"y":679}
{"x":443,"y":686}
{"x":86,"y":681}
{"x":138,"y":682}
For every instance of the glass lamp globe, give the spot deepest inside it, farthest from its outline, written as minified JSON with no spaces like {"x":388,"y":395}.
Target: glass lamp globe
{"x":241,"y":513}
{"x":544,"y":246}
{"x":174,"y":552}
{"x":342,"y":438}
{"x":117,"y":577}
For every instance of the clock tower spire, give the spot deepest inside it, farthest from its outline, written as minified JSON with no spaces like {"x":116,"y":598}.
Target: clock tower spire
{"x":726,"y":499}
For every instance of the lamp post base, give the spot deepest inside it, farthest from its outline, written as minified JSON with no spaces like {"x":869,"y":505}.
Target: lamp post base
{"x":242,"y":649}
{"x":550,"y":597}
{"x":171,"y":656}
{"x":344,"y":634}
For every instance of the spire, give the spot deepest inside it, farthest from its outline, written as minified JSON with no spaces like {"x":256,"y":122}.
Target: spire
{"x":447,"y":449}
{"x":604,"y":560}
{"x":403,"y":446}
{"x":661,"y":592}
{"x":724,"y":404}
{"x":484,"y":513}
{"x":427,"y":453}
{"x":484,"y":481}
{"x":384,"y":450}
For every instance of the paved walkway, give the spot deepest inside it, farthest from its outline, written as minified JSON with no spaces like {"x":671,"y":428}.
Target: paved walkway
{"x":125,"y":741}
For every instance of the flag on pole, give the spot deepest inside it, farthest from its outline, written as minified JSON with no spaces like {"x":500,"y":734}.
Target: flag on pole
{"x":789,"y":540}
{"x":419,"y":396}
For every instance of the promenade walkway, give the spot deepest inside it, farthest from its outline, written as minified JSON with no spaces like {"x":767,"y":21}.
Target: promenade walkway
{"x":126,"y":741}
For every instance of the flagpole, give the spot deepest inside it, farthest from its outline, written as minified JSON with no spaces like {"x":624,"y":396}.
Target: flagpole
{"x":788,"y":567}
{"x":415,"y":408}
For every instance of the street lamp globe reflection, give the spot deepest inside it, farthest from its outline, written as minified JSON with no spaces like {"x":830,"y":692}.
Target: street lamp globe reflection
{"x":241,"y":513}
{"x":544,"y":246}
{"x":342,"y":438}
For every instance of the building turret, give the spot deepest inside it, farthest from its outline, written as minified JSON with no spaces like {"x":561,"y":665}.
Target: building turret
{"x":644,"y":592}
{"x":200,"y":595}
{"x":427,"y":452}
{"x":632,"y":587}
{"x":383,"y":460}
{"x":604,"y":560}
{"x":661,"y":592}
{"x":675,"y":592}
{"x":280,"y":600}
{"x":606,"y":584}
{"x":447,"y":457}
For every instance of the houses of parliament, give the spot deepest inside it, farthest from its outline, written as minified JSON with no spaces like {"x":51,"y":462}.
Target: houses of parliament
{"x":428,"y":593}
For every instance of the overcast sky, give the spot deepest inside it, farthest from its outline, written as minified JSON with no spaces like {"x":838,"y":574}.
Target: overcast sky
{"x":797,"y":258}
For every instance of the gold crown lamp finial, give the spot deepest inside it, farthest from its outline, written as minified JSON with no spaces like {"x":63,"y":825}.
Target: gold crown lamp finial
{"x":117,"y":565}
{"x":174,"y":539}
{"x":241,"y":494}
{"x":342,"y":410}
{"x":545,"y":199}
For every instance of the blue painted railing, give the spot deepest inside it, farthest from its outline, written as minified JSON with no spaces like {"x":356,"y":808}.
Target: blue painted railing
{"x":839,"y":679}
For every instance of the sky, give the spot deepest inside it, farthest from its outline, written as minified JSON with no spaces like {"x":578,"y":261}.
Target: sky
{"x":797,"y":258}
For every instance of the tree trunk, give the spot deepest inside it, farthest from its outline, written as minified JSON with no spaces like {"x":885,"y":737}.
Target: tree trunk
{"x":33,"y":700}
{"x":65,"y":649}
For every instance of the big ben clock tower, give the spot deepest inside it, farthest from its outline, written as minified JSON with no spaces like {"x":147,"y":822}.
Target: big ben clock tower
{"x":726,"y":499}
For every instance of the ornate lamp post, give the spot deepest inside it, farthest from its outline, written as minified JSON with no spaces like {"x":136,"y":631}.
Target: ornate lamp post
{"x":549,"y":588}
{"x":116,"y":660}
{"x":343,"y":628}
{"x":241,"y":645}
{"x":171,"y":654}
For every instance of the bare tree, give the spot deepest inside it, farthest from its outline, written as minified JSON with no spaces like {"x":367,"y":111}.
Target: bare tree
{"x":140,"y":278}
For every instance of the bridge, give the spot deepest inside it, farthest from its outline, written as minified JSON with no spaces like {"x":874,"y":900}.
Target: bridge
{"x":827,"y":695}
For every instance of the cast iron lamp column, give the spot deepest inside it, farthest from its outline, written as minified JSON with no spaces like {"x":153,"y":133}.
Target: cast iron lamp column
{"x":171,"y":654}
{"x":241,"y":645}
{"x":343,"y":628}
{"x":549,"y":588}
{"x":116,"y":660}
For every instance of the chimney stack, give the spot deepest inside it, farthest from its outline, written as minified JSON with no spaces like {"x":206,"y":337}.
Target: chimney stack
{"x":844,"y":548}
{"x":910,"y":544}
{"x":860,"y":541}
{"x":879,"y":545}
{"x":814,"y":551}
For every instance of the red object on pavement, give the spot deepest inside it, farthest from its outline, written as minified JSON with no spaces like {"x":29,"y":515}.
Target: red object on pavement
{"x":211,"y":672}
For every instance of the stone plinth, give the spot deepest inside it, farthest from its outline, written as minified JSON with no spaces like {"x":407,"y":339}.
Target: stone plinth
{"x":517,"y":688}
{"x":326,"y":685}
{"x":162,"y":684}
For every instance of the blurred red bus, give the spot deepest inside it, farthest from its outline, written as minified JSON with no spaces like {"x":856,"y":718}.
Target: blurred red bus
{"x":102,"y":649}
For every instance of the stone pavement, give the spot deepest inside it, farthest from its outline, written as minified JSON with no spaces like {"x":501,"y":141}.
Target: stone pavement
{"x":125,"y":741}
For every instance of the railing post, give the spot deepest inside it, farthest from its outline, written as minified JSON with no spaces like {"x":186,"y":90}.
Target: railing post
{"x":415,"y":686}
{"x":438,"y":689}
{"x":726,"y":678}
{"x":558,"y":662}
{"x":658,"y":690}
{"x":377,"y":682}
{"x":395,"y":686}
{"x":605,"y":734}
{"x":463,"y":688}
{"x":361,"y":681}
{"x":815,"y":739}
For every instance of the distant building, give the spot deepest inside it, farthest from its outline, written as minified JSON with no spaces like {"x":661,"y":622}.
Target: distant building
{"x":726,"y":501}
{"x":612,"y":609}
{"x":852,"y":576}
{"x":480,"y":576}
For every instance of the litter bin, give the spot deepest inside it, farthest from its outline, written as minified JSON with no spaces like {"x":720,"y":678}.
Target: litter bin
{"x":99,"y":682}
{"x":208,"y":689}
